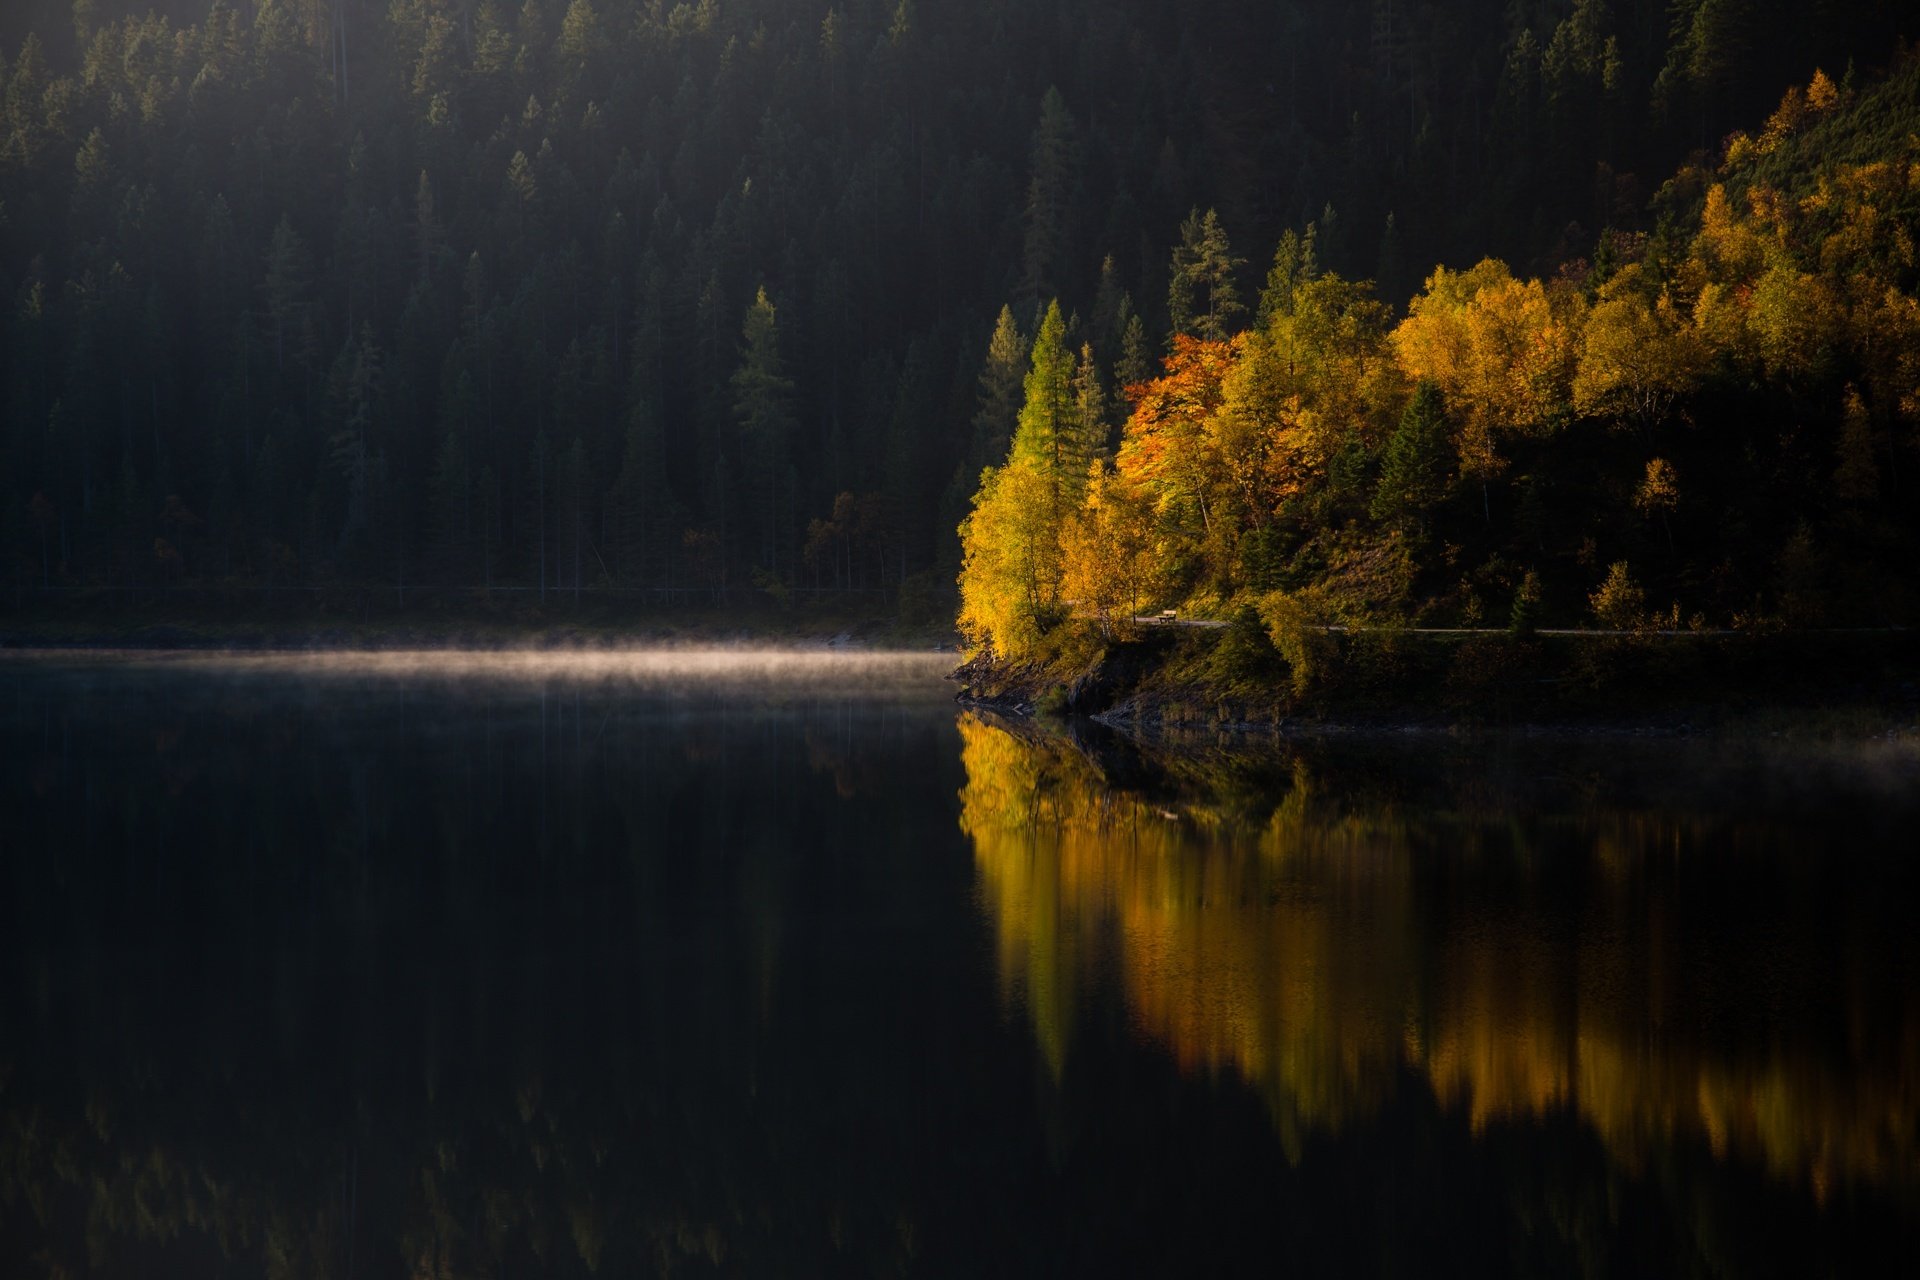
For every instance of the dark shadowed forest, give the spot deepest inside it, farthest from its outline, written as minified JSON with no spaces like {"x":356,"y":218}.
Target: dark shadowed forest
{"x":742,"y":295}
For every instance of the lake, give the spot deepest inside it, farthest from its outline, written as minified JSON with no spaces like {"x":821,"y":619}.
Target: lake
{"x":695,"y":962}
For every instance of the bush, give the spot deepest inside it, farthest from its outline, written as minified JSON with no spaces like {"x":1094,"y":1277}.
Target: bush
{"x":1245,"y":654}
{"x":1524,"y":620}
{"x":1299,"y":632}
{"x":1620,"y":604}
{"x":1493,"y":673}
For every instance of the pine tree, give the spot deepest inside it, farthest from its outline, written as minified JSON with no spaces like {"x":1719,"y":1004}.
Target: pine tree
{"x":1135,"y":365}
{"x":1088,"y":441}
{"x":358,"y":384}
{"x":1052,"y":192}
{"x":1044,"y":438}
{"x":1202,"y":300}
{"x":429,"y":238}
{"x":574,"y":500}
{"x":1110,"y":306}
{"x":999,"y":403}
{"x":289,"y":273}
{"x":1413,"y":467}
{"x":1296,"y":262}
{"x":763,"y":407}
{"x":636,"y":507}
{"x":581,"y":44}
{"x":540,"y":505}
{"x":450,"y":508}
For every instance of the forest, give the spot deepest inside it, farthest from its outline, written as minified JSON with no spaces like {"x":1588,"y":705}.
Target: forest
{"x":703,"y":300}
{"x":1701,"y":428}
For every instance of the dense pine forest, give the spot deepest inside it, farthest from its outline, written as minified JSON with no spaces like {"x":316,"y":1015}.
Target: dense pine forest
{"x":743,"y":296}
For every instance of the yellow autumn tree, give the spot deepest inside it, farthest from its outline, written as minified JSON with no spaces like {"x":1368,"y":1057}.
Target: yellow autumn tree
{"x":1795,"y":318}
{"x":1726,"y":248}
{"x":1320,"y":375}
{"x":1500,"y":349}
{"x":1010,"y":565}
{"x":1010,"y":541}
{"x":1658,"y":495}
{"x":1107,"y":551}
{"x":1636,"y":359}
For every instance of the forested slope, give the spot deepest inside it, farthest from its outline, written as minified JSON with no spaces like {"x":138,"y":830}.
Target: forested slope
{"x":698,"y":297}
{"x":1708,"y":426}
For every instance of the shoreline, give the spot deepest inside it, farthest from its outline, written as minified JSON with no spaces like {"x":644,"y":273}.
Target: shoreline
{"x":1401,"y":685}
{"x":1193,"y":683}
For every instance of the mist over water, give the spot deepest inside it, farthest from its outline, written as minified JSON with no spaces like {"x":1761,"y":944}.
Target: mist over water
{"x":653,"y":667}
{"x":767,"y":961}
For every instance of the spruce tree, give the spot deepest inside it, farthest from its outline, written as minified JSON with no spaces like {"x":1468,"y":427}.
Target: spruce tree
{"x":1000,"y":388}
{"x":1413,"y":467}
{"x":1202,"y":300}
{"x":1044,"y":438}
{"x":763,"y":408}
{"x":1052,"y":189}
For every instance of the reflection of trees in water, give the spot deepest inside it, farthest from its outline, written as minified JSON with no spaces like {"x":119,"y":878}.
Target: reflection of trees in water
{"x":502,"y":993}
{"x":522,"y":987}
{"x":1525,"y":961}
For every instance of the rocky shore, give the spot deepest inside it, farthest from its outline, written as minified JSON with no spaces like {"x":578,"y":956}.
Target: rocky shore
{"x":1850,"y":684}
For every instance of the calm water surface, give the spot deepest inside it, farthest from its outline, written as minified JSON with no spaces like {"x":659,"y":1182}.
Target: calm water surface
{"x":429,"y":965}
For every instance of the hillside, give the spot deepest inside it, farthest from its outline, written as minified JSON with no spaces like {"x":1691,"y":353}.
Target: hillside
{"x":679,"y":301}
{"x":1709,"y":426}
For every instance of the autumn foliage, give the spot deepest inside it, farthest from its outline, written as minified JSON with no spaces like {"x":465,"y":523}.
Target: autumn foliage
{"x":1713,"y":422}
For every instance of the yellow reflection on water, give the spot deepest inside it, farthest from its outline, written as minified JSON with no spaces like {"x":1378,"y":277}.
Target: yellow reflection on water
{"x":1330,"y":948}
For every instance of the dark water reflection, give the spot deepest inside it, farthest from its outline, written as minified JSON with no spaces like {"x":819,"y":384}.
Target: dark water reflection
{"x":620,"y":967}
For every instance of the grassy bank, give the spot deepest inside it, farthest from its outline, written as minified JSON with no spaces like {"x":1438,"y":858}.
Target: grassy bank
{"x":1841,"y":682}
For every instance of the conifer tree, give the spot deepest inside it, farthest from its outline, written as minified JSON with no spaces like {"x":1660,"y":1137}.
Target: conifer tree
{"x":1089,"y":439}
{"x":1052,"y":188}
{"x":450,"y":502}
{"x":763,"y":408}
{"x":1135,"y":365}
{"x":637,"y":506}
{"x":1044,"y":438}
{"x":1000,"y":389}
{"x":288,"y":279}
{"x":1413,"y":467}
{"x":1202,"y":300}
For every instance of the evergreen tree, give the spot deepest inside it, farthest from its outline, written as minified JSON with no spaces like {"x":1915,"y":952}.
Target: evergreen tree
{"x":1052,"y":193}
{"x":1135,"y":365}
{"x":357,"y":386}
{"x":289,"y":272}
{"x":209,"y":221}
{"x":1413,"y":467}
{"x":763,"y":407}
{"x":1295,"y":263}
{"x":1044,"y":438}
{"x":1202,"y":299}
{"x":637,"y":514}
{"x":1001,"y":376}
{"x":1089,"y":435}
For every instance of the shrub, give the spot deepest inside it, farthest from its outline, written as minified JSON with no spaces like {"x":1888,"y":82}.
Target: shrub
{"x":1052,"y":701}
{"x":1299,"y":633}
{"x":1620,"y":604}
{"x":1524,"y":620}
{"x":1245,"y":653}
